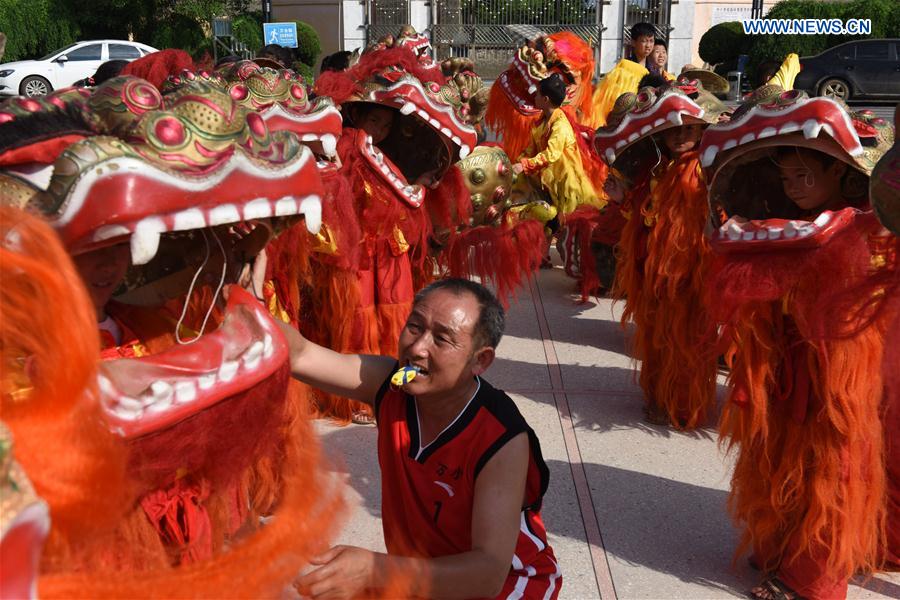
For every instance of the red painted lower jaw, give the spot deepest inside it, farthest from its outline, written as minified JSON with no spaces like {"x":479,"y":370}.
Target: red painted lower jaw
{"x":768,"y":235}
{"x":145,"y":395}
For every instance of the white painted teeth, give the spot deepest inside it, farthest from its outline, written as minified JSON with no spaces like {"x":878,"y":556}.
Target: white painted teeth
{"x":464,"y":151}
{"x":734,"y":231}
{"x":160,"y":397}
{"x":811,"y":129}
{"x":228,"y":370}
{"x":285,"y":207}
{"x":610,"y":156}
{"x":107,"y":232}
{"x":775,"y":233}
{"x":329,"y":144}
{"x":408,"y":108}
{"x":311,"y":207}
{"x":748,"y":235}
{"x":206,"y":381}
{"x":823,"y":219}
{"x":709,"y":155}
{"x":257,"y":209}
{"x":767,"y":132}
{"x":788,"y":127}
{"x":145,"y":240}
{"x":253,"y":355}
{"x":191,"y":218}
{"x":674,"y":117}
{"x":185,"y":391}
{"x":790,"y":230}
{"x":224,"y":214}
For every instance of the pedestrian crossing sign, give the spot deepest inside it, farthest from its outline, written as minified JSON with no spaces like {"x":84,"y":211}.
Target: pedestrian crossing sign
{"x":283,"y":34}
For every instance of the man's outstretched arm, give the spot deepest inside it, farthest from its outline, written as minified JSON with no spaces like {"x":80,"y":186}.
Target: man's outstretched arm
{"x":355,"y":376}
{"x":346,"y":571}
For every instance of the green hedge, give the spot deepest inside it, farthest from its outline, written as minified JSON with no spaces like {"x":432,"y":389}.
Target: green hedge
{"x":723,"y":43}
{"x":308,"y":45}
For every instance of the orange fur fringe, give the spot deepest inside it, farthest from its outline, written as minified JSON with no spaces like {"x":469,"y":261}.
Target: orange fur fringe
{"x":75,"y":464}
{"x":661,"y":271}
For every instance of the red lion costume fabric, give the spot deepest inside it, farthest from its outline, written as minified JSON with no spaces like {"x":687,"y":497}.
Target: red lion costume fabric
{"x":805,"y":407}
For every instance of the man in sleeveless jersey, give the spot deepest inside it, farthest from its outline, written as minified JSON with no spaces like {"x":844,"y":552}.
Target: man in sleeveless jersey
{"x":462,"y":472}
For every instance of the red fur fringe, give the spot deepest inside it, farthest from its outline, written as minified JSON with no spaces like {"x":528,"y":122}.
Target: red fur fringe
{"x":504,"y":256}
{"x":158,"y":66}
{"x":810,"y":476}
{"x":662,"y":271}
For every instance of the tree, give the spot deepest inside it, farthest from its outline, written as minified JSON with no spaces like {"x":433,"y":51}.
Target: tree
{"x":34,"y":28}
{"x":884,"y":14}
{"x":723,"y":43}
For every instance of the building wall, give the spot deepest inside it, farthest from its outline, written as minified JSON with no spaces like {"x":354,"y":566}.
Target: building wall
{"x":326,"y":17}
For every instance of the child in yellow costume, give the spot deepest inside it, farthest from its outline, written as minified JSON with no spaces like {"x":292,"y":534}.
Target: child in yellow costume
{"x":552,"y":161}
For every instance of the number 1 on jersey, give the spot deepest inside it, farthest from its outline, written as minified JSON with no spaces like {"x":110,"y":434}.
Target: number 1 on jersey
{"x":437,"y":509}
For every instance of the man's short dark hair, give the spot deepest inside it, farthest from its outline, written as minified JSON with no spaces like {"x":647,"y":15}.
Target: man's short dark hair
{"x":554,"y":88}
{"x":642,"y":30}
{"x":660,"y":42}
{"x":492,"y":319}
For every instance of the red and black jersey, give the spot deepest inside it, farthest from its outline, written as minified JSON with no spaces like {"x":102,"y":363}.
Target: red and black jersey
{"x":428,"y":492}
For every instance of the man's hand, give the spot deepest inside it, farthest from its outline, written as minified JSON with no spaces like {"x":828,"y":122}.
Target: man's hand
{"x":344,"y":572}
{"x":517,"y":168}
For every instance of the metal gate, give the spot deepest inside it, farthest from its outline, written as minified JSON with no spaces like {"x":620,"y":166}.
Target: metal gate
{"x":488,"y":31}
{"x":385,"y":17}
{"x":656,"y":12}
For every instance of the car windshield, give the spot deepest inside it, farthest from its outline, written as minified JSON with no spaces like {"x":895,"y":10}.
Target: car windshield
{"x":55,"y":52}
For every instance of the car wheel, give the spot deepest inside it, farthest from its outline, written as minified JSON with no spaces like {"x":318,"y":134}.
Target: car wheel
{"x":35,"y":86}
{"x":835,"y":88}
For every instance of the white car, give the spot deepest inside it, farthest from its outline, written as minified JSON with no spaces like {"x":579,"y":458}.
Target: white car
{"x":64,"y":67}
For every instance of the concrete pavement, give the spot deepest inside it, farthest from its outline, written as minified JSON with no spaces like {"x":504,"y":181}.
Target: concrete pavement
{"x":633,"y":510}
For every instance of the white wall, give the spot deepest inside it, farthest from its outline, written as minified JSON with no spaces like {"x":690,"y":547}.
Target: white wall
{"x":681,"y":36}
{"x":354,"y":25}
{"x":611,"y":38}
{"x":420,"y":15}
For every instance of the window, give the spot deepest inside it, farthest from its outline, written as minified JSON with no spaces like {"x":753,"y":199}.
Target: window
{"x":121,"y":51}
{"x":89,"y":52}
{"x":872,"y":51}
{"x":846,"y":52}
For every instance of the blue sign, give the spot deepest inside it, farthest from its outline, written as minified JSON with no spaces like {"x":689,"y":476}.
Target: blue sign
{"x":283,"y":34}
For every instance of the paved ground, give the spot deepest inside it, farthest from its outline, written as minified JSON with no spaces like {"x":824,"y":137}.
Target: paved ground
{"x":633,"y":510}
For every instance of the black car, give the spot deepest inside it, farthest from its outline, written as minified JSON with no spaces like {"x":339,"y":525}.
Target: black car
{"x":854,"y":70}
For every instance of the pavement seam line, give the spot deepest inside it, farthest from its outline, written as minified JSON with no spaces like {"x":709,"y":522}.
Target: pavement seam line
{"x":599,"y":559}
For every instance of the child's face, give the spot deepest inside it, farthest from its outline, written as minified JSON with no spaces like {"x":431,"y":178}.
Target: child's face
{"x":659,"y":56}
{"x":807,"y":183}
{"x":642,"y":46}
{"x":679,"y":140}
{"x":377,"y":122}
{"x":102,"y":271}
{"x":541,"y":102}
{"x":615,"y":188}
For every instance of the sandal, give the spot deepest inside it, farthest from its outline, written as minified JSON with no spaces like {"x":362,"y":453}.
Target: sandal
{"x":362,"y":417}
{"x":773,"y":589}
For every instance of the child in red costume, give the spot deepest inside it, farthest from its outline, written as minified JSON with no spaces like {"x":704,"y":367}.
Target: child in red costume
{"x":663,"y":259}
{"x":809,"y":481}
